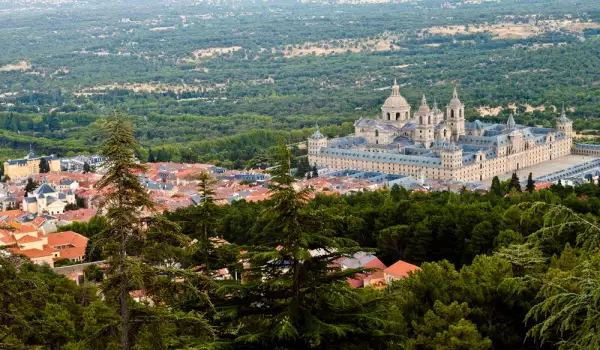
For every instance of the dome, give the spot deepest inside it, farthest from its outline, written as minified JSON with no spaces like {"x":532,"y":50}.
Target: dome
{"x":455,"y":102}
{"x":395,"y":100}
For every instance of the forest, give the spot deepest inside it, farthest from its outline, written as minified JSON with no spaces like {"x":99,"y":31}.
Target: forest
{"x":512,"y":268}
{"x":199,"y":77}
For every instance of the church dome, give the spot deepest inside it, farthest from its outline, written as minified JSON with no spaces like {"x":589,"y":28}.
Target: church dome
{"x":395,"y":100}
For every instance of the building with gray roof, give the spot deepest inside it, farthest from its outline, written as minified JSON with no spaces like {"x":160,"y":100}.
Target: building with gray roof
{"x":438,"y":145}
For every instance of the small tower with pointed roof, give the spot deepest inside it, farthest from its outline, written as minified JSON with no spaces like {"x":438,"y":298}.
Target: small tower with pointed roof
{"x":425,"y":129}
{"x":316,"y":141}
{"x":564,"y":124}
{"x":395,"y":109}
{"x":510,"y":124}
{"x":455,"y":116}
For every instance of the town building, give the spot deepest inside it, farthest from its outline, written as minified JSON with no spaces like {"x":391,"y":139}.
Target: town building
{"x":439,"y":145}
{"x":29,"y":166}
{"x":46,"y":199}
{"x":41,"y":248}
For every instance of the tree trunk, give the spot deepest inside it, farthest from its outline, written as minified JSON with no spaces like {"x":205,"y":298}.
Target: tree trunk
{"x":123,"y":296}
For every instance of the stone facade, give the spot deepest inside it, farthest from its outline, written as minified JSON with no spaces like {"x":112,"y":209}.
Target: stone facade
{"x":439,"y":146}
{"x":29,"y":166}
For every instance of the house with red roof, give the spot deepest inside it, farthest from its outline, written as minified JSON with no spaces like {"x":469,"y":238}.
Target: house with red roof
{"x":42,"y":248}
{"x":400,"y":269}
{"x":364,"y":260}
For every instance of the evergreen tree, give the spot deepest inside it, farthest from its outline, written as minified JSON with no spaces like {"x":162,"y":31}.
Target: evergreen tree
{"x":44,"y":166}
{"x":496,"y":187}
{"x":530,"y":183}
{"x":514,"y":183}
{"x":303,"y":167}
{"x":151,"y":158}
{"x":315,"y":173}
{"x":30,"y":186}
{"x":86,"y":168}
{"x":139,"y":259}
{"x":294,"y":296}
{"x":207,"y":220}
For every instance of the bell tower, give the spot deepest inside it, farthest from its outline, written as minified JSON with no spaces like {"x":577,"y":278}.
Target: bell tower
{"x":455,"y":116}
{"x":424,"y":131}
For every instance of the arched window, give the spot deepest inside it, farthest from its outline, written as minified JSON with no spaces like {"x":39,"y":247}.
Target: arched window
{"x":429,"y":120}
{"x":460,"y":113}
{"x":398,"y":116}
{"x":388,"y":117}
{"x":444,"y":132}
{"x":421,"y":120}
{"x":406,"y":115}
{"x":376,"y":133}
{"x":451,"y":113}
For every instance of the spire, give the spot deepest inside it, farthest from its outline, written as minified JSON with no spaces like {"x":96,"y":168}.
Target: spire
{"x":395,"y":88}
{"x":510,"y":124}
{"x":563,"y":115}
{"x":423,"y":101}
{"x":454,"y":93}
{"x":317,"y":134}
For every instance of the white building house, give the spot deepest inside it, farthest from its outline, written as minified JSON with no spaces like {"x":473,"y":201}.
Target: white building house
{"x":45,"y":199}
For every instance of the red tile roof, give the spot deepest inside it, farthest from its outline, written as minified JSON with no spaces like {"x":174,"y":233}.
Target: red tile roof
{"x":76,"y":242}
{"x":28,"y":239}
{"x":34,"y":253}
{"x":401,"y":269}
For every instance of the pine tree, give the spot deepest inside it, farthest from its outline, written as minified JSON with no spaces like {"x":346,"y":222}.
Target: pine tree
{"x":293,"y":295}
{"x":86,"y":168}
{"x":207,"y":219}
{"x":530,"y":183}
{"x":30,"y":186}
{"x":497,"y":187}
{"x":139,"y":259}
{"x":151,"y":158}
{"x":44,"y":166}
{"x":514,"y":183}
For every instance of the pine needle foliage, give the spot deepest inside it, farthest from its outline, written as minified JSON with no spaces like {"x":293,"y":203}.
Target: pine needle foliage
{"x":144,"y":254}
{"x":293,"y":296}
{"x":569,"y":313}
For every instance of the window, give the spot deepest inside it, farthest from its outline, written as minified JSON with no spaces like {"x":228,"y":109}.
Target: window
{"x":388,"y":116}
{"x":451,"y":113}
{"x":397,"y":115}
{"x":460,"y":113}
{"x":376,"y":133}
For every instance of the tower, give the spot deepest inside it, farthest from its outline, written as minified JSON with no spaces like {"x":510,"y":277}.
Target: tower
{"x":455,"y":116}
{"x":424,"y":131}
{"x":451,"y":155}
{"x":510,"y":124}
{"x":395,"y":109}
{"x":315,"y":142}
{"x":564,"y":124}
{"x":438,"y":115}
